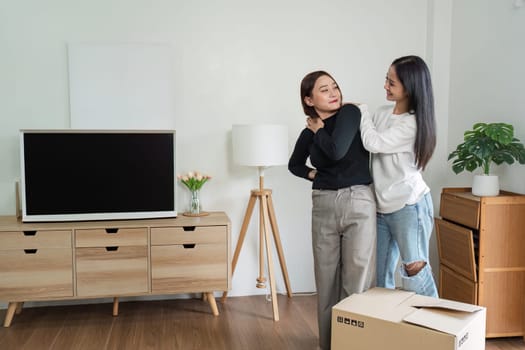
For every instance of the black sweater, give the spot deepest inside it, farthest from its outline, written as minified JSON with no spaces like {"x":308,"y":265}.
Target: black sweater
{"x":336,"y":151}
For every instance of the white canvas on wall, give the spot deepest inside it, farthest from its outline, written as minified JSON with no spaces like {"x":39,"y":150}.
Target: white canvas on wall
{"x":121,"y":86}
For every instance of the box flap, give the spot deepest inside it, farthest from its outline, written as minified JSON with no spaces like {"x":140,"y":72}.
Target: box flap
{"x":448,"y":305}
{"x":446,"y":320}
{"x":382,"y":303}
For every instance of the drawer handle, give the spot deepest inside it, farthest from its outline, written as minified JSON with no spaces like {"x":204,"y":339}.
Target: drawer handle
{"x":30,"y":251}
{"x":29,"y":233}
{"x":188,"y":228}
{"x":189,"y":245}
{"x":111,"y":230}
{"x":111,"y":249}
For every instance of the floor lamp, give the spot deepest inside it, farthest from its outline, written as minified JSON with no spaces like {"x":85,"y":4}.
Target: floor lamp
{"x":262,"y":146}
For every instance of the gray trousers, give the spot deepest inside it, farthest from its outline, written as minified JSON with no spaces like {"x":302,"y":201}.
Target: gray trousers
{"x":344,"y":248}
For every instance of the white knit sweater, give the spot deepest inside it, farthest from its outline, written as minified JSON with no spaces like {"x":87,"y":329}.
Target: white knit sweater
{"x":390,"y":138}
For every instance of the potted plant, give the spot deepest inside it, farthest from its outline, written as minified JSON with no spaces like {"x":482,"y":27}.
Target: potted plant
{"x":485,"y":144}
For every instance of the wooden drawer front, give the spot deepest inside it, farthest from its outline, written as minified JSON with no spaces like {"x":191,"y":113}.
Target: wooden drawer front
{"x":192,"y":234}
{"x":192,"y":269}
{"x":103,"y":272}
{"x":453,"y":286}
{"x":36,"y":274}
{"x":456,"y":248}
{"x":460,"y":210}
{"x":35,"y":239}
{"x":503,"y":294}
{"x":112,"y":237}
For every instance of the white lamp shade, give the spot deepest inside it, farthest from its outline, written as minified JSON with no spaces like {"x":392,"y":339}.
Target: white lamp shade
{"x":260,"y":145}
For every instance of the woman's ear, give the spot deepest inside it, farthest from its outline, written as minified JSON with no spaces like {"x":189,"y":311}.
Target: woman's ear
{"x":308,"y":101}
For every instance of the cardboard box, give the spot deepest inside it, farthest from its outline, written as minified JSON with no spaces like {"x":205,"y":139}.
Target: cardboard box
{"x":399,"y":320}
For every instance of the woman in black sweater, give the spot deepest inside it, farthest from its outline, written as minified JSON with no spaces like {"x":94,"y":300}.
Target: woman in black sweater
{"x":343,"y":204}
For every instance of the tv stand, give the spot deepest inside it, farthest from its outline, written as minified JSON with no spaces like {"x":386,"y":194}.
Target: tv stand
{"x":99,"y":259}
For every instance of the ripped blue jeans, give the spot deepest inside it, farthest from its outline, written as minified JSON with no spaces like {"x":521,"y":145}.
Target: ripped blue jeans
{"x":406,"y":233}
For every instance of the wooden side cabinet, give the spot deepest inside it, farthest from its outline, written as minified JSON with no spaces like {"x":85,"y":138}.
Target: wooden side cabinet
{"x":97,"y":259}
{"x":481,"y":244}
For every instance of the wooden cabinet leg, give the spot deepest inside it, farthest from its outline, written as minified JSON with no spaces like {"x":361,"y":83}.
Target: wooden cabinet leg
{"x":19,"y":308}
{"x":10,"y":313}
{"x":115,"y":306}
{"x":213,"y":304}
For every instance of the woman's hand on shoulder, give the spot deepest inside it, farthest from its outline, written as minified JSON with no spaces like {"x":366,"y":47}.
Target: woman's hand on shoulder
{"x":314,"y":124}
{"x":364,"y":109}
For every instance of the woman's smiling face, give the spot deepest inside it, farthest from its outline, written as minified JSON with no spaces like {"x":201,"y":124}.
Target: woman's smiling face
{"x":326,"y":96}
{"x":395,"y":91}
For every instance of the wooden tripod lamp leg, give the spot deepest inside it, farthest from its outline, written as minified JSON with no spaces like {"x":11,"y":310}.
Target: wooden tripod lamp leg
{"x":278,"y":245}
{"x":242,"y":235}
{"x":266,"y":224}
{"x":261,"y":280}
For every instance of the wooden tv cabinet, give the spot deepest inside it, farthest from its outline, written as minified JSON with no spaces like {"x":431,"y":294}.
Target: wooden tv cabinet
{"x":481,"y":243}
{"x":98,"y":259}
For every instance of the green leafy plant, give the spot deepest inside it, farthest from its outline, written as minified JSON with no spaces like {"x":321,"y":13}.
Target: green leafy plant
{"x":485,"y":144}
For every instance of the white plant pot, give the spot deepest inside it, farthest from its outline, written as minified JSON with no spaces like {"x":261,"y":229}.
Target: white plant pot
{"x":485,"y":185}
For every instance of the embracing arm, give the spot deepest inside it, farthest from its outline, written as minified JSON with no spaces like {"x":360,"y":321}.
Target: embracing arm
{"x":336,"y":145}
{"x":398,"y":137}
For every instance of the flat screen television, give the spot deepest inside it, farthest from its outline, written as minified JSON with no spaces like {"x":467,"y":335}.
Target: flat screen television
{"x":77,"y":175}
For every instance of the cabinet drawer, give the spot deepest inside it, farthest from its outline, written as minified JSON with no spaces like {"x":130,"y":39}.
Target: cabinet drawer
{"x":111,"y":237}
{"x":190,"y":234}
{"x":35,"y":239}
{"x":453,"y":286}
{"x":456,"y":248}
{"x":112,"y":271}
{"x":462,"y":208}
{"x":34,"y":274}
{"x":179,"y":268}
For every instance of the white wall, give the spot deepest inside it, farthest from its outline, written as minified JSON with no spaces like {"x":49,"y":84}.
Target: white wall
{"x":235,"y":62}
{"x":487,"y":77}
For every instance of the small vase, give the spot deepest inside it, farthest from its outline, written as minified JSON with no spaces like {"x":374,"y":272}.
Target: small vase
{"x":195,"y":202}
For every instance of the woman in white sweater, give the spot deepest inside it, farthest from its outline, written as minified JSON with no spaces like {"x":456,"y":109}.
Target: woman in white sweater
{"x":402,"y":139}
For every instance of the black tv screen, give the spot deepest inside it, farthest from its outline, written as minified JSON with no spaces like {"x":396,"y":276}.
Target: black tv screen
{"x":73,"y":175}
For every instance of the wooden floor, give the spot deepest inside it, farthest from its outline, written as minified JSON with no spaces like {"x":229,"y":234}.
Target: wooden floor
{"x":243,"y":323}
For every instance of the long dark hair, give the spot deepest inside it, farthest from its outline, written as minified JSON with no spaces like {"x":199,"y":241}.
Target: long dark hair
{"x":414,"y":74}
{"x":307,"y":87}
